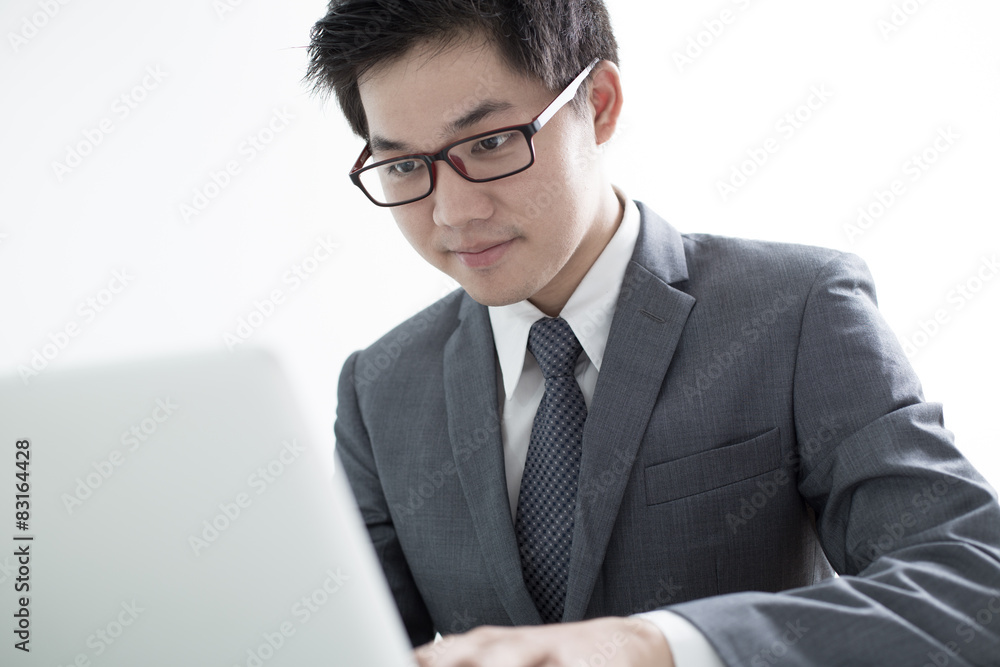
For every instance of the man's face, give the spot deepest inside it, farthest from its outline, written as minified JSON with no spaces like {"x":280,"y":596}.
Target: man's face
{"x":531,"y":235}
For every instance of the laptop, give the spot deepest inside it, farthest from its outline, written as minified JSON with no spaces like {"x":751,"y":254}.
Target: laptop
{"x":176,"y":511}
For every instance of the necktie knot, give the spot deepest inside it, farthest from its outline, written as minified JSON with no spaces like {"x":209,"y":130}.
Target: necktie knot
{"x":554,"y":346}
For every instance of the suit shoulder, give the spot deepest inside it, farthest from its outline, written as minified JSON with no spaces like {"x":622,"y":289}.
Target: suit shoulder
{"x":740,"y":259}
{"x":424,"y":330}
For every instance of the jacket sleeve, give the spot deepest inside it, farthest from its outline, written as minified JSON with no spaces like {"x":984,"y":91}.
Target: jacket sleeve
{"x":355,"y":452}
{"x":912,"y":529}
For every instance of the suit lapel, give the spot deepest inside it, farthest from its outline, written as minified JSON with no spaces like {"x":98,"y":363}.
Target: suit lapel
{"x":647,"y":324}
{"x":474,"y":428}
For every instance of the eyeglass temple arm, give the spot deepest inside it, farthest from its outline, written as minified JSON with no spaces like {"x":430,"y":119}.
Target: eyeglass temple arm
{"x":365,"y":154}
{"x":565,"y":96}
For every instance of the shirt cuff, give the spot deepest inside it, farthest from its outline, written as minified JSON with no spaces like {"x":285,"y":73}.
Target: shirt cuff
{"x":687,"y":643}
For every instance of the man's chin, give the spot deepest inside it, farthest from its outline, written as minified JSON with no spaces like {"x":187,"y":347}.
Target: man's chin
{"x":493,"y":300}
{"x":492,"y":296}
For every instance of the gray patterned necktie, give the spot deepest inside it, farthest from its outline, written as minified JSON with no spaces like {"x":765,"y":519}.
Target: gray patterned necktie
{"x":544,"y":520}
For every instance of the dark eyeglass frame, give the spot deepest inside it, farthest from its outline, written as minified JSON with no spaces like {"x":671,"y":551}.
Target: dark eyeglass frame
{"x":529,"y":130}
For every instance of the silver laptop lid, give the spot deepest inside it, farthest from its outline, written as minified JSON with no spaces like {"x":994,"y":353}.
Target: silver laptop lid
{"x":175,"y":512}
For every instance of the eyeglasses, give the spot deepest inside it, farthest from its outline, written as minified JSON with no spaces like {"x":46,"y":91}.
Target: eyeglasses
{"x":480,"y":158}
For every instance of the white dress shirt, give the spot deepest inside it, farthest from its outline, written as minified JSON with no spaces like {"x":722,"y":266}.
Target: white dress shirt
{"x":588,"y":312}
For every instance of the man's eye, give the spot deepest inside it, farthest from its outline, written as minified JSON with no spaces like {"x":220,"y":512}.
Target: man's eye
{"x":404,"y":168}
{"x":491,"y":143}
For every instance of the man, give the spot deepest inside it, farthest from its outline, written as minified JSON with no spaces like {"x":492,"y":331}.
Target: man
{"x":611,"y":418}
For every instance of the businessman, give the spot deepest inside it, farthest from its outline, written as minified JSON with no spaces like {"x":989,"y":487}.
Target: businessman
{"x":631,"y":445}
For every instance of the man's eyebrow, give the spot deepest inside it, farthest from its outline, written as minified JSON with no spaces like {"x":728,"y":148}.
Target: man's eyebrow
{"x":476,"y":114}
{"x":380,"y":144}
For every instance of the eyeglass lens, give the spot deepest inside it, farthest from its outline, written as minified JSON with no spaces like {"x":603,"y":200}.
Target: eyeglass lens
{"x":479,"y":158}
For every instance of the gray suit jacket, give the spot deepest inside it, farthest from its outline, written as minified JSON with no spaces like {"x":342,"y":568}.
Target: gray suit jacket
{"x":755,"y":428}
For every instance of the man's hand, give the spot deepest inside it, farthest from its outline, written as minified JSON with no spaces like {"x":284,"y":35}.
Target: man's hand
{"x":608,"y":642}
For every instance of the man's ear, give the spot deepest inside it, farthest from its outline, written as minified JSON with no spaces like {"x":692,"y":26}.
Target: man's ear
{"x":605,"y":99}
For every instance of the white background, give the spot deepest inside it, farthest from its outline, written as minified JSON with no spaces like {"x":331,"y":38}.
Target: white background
{"x":226,"y":70}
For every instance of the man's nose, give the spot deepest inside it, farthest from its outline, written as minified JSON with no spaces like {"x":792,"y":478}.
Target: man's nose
{"x":457,"y":201}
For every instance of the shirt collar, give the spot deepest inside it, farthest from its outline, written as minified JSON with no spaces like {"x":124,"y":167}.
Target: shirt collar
{"x":589,"y":310}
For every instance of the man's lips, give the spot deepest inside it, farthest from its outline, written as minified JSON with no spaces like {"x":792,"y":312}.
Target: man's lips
{"x":482,"y":255}
{"x":475,"y":248}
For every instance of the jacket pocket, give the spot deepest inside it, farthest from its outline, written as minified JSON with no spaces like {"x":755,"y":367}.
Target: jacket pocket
{"x":713,"y":469}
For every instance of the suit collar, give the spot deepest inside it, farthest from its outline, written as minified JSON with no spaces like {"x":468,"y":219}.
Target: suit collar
{"x":470,"y":384}
{"x":649,"y":318}
{"x":660,"y":248}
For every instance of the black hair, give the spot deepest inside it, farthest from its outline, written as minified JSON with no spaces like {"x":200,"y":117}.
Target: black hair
{"x":549,"y":40}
